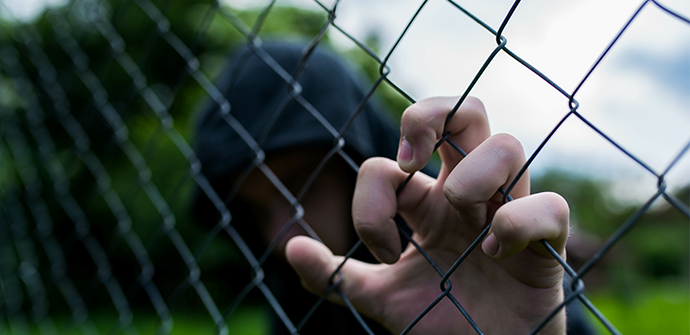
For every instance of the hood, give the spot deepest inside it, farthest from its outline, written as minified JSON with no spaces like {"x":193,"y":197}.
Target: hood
{"x":261,"y":100}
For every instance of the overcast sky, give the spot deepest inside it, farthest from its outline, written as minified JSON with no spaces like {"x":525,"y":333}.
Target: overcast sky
{"x":639,"y":95}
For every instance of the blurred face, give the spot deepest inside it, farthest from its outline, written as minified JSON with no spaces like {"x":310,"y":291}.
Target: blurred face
{"x":326,"y":203}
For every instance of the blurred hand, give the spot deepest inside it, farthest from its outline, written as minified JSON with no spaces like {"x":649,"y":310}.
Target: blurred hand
{"x":508,"y":287}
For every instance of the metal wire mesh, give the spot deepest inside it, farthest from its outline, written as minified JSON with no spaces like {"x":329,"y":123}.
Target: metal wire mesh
{"x":43,"y":117}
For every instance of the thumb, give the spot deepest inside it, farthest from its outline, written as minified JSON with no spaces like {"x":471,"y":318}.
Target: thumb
{"x":315,"y":264}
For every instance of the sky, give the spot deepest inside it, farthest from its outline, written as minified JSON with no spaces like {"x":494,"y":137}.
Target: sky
{"x":639,"y":95}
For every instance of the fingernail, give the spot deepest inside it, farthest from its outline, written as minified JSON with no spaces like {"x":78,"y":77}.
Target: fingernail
{"x":405,"y":154}
{"x":382,"y":254}
{"x":490,"y":246}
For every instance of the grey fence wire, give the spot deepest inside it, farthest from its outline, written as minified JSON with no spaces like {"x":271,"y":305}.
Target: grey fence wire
{"x":42,"y":178}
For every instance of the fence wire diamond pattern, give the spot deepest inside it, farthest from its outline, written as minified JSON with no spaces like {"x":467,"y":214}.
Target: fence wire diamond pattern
{"x":40,"y":118}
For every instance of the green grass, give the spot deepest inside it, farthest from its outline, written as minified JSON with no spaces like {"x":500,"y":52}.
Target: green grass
{"x":664,"y":310}
{"x":654,"y":310}
{"x":246,"y":321}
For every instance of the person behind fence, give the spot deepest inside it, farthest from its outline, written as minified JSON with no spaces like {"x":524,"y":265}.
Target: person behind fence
{"x":508,"y":285}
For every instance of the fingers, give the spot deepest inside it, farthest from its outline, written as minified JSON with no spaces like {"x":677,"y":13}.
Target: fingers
{"x":422,"y":126}
{"x":315,"y":264}
{"x":375,"y":204}
{"x":528,"y":220}
{"x":472,"y":187}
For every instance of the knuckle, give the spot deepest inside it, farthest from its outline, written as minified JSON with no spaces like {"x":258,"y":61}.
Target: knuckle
{"x":505,"y":223}
{"x":365,"y":221}
{"x":475,"y":107}
{"x":558,"y":207}
{"x":411,"y":117}
{"x":510,"y":147}
{"x":454,"y":193}
{"x":477,"y":114}
{"x":374,"y":166}
{"x":367,"y":230}
{"x":509,"y":142}
{"x":419,"y":123}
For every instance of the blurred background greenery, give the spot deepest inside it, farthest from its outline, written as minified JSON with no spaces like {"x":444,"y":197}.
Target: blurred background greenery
{"x":642,"y":285}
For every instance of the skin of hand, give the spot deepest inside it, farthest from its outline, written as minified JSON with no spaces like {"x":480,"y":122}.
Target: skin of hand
{"x":507,"y":287}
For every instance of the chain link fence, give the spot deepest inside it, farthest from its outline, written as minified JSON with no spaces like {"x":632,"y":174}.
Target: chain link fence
{"x":98,"y":171}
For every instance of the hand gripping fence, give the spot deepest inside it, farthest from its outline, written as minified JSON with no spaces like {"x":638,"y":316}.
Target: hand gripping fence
{"x":41,"y":178}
